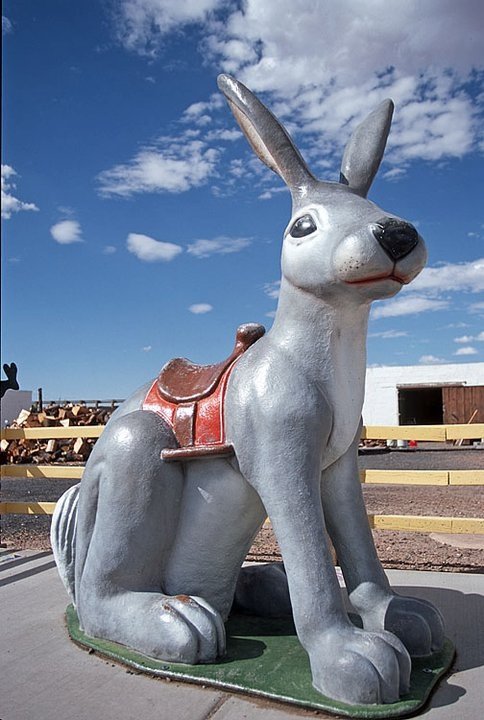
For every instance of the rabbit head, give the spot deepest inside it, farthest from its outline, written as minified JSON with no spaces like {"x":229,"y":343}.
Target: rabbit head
{"x":337,"y":241}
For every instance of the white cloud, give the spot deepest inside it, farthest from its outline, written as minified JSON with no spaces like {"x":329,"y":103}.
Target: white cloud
{"x":200,"y":308}
{"x":151,"y":250}
{"x":389,"y":334}
{"x":170,"y":165}
{"x":11,"y":204}
{"x":431,"y":360}
{"x":466,"y":339}
{"x":218,"y":246}
{"x":468,"y":350}
{"x":425,"y":292}
{"x":66,"y":210}
{"x":66,"y":232}
{"x":394,"y":173}
{"x":223,"y":134}
{"x":142,"y":24}
{"x":368,"y":53}
{"x":408,"y":305}
{"x":147,"y":348}
{"x":6,"y":25}
{"x":198,"y":114}
{"x":358,"y":37}
{"x":467,"y":276}
{"x":477,"y":308}
{"x":196,"y":110}
{"x":109,"y":250}
{"x":269,"y":192}
{"x":272,"y":289}
{"x":202,"y":109}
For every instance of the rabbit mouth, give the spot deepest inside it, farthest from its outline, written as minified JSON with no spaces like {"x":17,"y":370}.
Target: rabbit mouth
{"x":378,"y":278}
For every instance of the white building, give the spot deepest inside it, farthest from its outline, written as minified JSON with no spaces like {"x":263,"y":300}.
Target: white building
{"x":12,"y":403}
{"x":424,"y":394}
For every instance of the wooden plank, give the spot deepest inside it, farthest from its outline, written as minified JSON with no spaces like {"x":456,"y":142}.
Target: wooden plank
{"x":466,"y":477}
{"x":369,"y":477}
{"x":462,"y":403}
{"x":423,"y":523}
{"x":42,"y":471}
{"x":426,"y":523}
{"x":473,"y":526}
{"x":82,"y":448}
{"x":411,"y":523}
{"x":87,"y":431}
{"x":31,"y":508}
{"x":465,"y":432}
{"x":435,"y":433}
{"x":408,"y":523}
{"x":405,"y":477}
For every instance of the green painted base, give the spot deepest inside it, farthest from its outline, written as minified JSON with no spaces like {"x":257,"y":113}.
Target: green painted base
{"x":265,"y":658}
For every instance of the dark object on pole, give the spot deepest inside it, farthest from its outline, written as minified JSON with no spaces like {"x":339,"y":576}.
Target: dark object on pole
{"x":11,"y":382}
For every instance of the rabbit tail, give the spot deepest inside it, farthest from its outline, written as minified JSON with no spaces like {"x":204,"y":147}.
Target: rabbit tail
{"x":63,"y":537}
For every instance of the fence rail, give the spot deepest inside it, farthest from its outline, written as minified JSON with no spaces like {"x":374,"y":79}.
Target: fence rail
{"x":409,"y":523}
{"x":53,"y":433}
{"x":429,"y":433}
{"x":367,"y":477}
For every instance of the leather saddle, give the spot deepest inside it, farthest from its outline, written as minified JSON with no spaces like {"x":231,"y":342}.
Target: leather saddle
{"x":190,"y":398}
{"x":182,"y":381}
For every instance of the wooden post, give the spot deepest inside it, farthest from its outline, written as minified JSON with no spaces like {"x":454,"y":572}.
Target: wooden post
{"x":40,"y":399}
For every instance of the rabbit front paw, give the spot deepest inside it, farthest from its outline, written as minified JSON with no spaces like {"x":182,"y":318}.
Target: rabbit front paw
{"x":417,"y":623}
{"x":359,"y":667}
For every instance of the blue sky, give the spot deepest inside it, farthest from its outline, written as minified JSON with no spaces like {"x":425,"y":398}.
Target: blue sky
{"x":137,"y":225}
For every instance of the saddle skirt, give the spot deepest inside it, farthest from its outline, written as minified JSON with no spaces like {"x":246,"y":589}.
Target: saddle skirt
{"x":190,"y":398}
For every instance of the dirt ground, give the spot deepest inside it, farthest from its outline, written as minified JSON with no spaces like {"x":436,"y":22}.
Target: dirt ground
{"x":401,"y":550}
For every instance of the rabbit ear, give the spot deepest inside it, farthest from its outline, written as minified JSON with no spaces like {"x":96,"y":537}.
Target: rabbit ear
{"x":268,"y":138}
{"x":364,"y":151}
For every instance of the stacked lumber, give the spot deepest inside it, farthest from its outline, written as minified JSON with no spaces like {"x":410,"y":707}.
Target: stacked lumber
{"x":364,"y":444}
{"x":59,"y":450}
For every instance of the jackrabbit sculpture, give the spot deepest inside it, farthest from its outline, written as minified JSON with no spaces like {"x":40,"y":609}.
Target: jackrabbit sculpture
{"x":151,"y":549}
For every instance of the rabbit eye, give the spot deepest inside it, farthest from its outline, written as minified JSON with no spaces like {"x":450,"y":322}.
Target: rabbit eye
{"x":303,"y":226}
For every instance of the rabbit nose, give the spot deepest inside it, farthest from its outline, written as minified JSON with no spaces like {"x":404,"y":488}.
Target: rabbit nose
{"x":396,"y":237}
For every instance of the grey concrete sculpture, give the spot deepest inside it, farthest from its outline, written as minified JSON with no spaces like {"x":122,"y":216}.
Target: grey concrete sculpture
{"x":151,"y":551}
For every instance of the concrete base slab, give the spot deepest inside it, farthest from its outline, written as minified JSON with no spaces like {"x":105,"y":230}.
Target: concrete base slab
{"x":44,"y":676}
{"x":459,"y":540}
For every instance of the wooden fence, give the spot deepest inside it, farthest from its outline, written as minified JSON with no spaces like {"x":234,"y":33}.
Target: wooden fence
{"x":416,"y":523}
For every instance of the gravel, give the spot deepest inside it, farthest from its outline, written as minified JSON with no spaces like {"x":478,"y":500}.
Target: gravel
{"x":401,"y":550}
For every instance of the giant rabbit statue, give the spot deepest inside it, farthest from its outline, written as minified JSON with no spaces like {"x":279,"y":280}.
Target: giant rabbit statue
{"x":151,"y":543}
